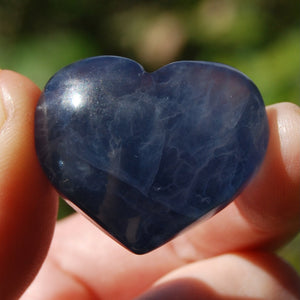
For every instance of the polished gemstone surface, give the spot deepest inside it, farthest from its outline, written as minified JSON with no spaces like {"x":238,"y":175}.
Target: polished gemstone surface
{"x":144,"y":155}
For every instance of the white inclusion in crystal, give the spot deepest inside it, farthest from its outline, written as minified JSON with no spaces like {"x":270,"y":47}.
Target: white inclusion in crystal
{"x":60,"y":164}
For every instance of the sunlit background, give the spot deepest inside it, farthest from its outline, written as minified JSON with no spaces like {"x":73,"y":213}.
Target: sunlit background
{"x":260,"y":38}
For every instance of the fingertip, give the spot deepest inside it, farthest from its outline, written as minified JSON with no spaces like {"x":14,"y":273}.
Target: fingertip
{"x":270,"y":203}
{"x":244,"y":275}
{"x":28,"y":204}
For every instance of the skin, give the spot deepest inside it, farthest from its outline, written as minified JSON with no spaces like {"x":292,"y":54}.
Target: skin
{"x":230,"y":256}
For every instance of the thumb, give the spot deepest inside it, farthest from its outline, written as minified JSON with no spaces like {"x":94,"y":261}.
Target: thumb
{"x":28,"y":204}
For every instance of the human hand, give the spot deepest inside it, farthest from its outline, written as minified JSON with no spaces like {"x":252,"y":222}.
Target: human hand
{"x":227,"y":257}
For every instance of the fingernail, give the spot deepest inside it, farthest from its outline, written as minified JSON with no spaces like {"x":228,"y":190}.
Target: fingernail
{"x":2,"y":107}
{"x":289,"y":136}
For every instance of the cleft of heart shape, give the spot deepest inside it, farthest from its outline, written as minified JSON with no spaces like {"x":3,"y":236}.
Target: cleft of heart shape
{"x":144,"y":155}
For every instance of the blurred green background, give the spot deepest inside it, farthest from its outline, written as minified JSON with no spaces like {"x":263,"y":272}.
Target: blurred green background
{"x":260,"y":38}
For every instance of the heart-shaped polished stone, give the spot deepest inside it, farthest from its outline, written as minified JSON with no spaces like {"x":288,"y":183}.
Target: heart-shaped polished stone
{"x":144,"y":155}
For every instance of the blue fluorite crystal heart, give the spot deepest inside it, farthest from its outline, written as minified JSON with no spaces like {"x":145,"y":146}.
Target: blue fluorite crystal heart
{"x":144,"y":155}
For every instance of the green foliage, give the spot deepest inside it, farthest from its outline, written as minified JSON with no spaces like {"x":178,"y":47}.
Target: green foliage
{"x":39,"y":57}
{"x":261,"y":38}
{"x":291,"y":253}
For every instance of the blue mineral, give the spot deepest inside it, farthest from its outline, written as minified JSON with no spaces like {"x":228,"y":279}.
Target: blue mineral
{"x":145,"y":155}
